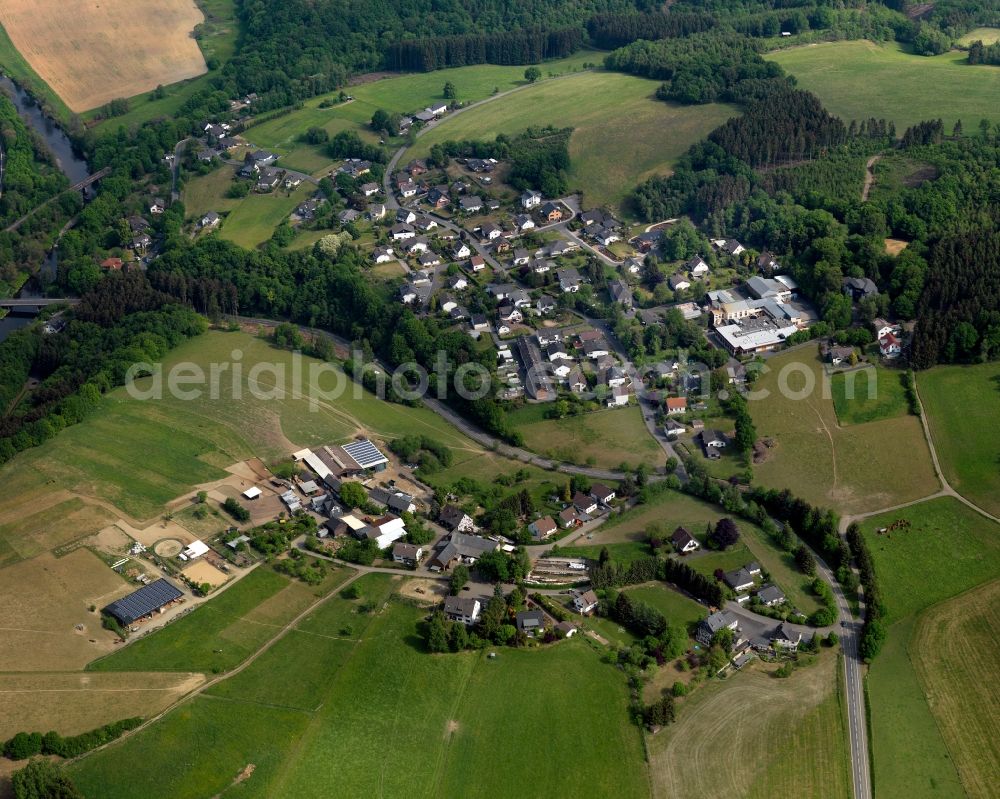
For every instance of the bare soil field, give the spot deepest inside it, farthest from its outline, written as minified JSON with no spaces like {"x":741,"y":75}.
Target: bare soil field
{"x":202,"y":571}
{"x":74,"y":703}
{"x":45,"y":598}
{"x":90,"y":52}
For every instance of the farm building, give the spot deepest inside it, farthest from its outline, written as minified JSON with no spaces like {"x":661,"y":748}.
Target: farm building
{"x":252,"y":493}
{"x":195,"y":549}
{"x":145,"y":602}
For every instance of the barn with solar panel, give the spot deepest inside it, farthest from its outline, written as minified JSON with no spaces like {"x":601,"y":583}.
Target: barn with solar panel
{"x":366,"y":455}
{"x":143,"y":603}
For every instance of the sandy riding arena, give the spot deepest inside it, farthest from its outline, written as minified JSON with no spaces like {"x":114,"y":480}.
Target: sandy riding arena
{"x":93,"y":51}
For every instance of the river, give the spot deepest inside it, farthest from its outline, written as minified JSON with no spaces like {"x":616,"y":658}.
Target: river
{"x":74,"y":167}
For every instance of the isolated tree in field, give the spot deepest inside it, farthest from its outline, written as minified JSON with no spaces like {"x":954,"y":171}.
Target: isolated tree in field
{"x":459,"y":578}
{"x":805,"y":561}
{"x":726,"y":533}
{"x":449,"y":91}
{"x":353,"y":495}
{"x":531,"y":74}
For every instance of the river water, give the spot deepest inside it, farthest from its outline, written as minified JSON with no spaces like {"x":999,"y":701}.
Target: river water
{"x":74,"y":167}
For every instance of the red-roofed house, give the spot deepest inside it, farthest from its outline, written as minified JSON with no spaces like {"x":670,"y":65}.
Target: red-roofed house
{"x":889,"y":346}
{"x":111,"y":263}
{"x":675,"y":406}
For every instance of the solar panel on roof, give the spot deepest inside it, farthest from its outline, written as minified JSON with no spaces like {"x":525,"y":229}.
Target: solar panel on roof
{"x":365,"y":453}
{"x":144,"y":601}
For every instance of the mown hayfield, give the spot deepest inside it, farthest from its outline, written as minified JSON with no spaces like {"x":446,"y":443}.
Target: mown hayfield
{"x":947,"y":550}
{"x":225,"y":630}
{"x":856,"y":79}
{"x":612,"y":115}
{"x":961,"y":677}
{"x":734,"y":738}
{"x":604,"y":438}
{"x":91,"y":53}
{"x":206,"y":193}
{"x":72,"y":703}
{"x":868,"y":395}
{"x":43,"y":599}
{"x":851,"y":469}
{"x":254,"y":219}
{"x":962,"y":404}
{"x":37,"y":529}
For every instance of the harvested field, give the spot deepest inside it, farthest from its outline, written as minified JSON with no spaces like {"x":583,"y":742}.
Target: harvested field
{"x":74,"y":703}
{"x":90,"y":53}
{"x":961,"y":678}
{"x":762,"y":724}
{"x":44,"y":599}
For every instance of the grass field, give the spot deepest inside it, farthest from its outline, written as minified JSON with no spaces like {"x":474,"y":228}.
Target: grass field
{"x":310,"y":716}
{"x":675,"y":606}
{"x":962,"y":678}
{"x":947,"y":550}
{"x":855,"y":79}
{"x":962,"y":404}
{"x":611,"y":113}
{"x":74,"y":703}
{"x":140,"y":454}
{"x":852,"y":469}
{"x":69,"y":44}
{"x":984,"y":35}
{"x":206,"y":193}
{"x":256,"y":216}
{"x":224,"y":631}
{"x":779,"y":738}
{"x":868,"y":395}
{"x":604,"y":438}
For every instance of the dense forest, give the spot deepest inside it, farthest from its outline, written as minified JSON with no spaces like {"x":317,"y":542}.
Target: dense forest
{"x":526,"y":46}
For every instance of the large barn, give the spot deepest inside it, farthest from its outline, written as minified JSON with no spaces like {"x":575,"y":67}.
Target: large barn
{"x":144,"y":602}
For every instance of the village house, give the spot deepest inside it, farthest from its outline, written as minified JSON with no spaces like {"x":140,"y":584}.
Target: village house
{"x":401,"y":232}
{"x":584,"y":503}
{"x":470,"y":204}
{"x":462,"y":609}
{"x":739,"y":580}
{"x":407,"y":554}
{"x":568,"y":517}
{"x":541,"y":529}
{"x":678,"y":282}
{"x":209,"y":220}
{"x":684,"y":542}
{"x":461,"y":548}
{"x":524,"y":222}
{"x":602,"y":493}
{"x":383,"y":255}
{"x":529,"y":621}
{"x":461,"y":252}
{"x":585,"y":602}
{"x":672,"y":428}
{"x":569,"y":280}
{"x":770,"y":595}
{"x":477,"y":263}
{"x":713,"y":441}
{"x":675,"y":406}
{"x":551,"y":212}
{"x":531,"y":199}
{"x":455,"y":519}
{"x":707,"y":628}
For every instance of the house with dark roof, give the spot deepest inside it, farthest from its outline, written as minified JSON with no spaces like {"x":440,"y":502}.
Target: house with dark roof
{"x":602,"y":493}
{"x":568,"y":516}
{"x":738,"y":580}
{"x":683,"y":541}
{"x":529,"y":621}
{"x":770,"y":595}
{"x":857,"y":288}
{"x":454,"y":518}
{"x":460,"y":548}
{"x":462,"y":609}
{"x":584,"y":503}
{"x":707,"y":628}
{"x":585,"y":602}
{"x":541,"y":529}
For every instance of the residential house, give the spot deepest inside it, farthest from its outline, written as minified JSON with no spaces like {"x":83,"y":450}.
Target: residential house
{"x":479,"y":322}
{"x":713,"y":441}
{"x":784,"y":637}
{"x":524,"y":222}
{"x":857,"y":288}
{"x":141,"y":243}
{"x":717,"y":621}
{"x":461,"y":252}
{"x":836,"y":355}
{"x":404,"y":216}
{"x":575,"y":381}
{"x":408,"y":189}
{"x":429,"y":260}
{"x":738,"y":579}
{"x":529,"y":621}
{"x":584,"y":503}
{"x":531,"y":199}
{"x":620,"y":293}
{"x":882,"y":328}
{"x":370,"y":189}
{"x":490,"y":231}
{"x":460,"y":548}
{"x":602,"y":493}
{"x":684,"y":542}
{"x":408,"y":554}
{"x":521,"y":257}
{"x":675,"y":406}
{"x":889,"y":346}
{"x":458,"y":282}
{"x":585,"y":602}
{"x":767,"y":264}
{"x":678,"y":282}
{"x":268,"y":179}
{"x":632,"y":265}
{"x":348,"y":215}
{"x":425,"y":224}
{"x":697,"y":268}
{"x":385,"y":530}
{"x":157,"y":206}
{"x":618,"y":397}
{"x":605,"y":236}
{"x":455,"y":519}
{"x":568,"y":517}
{"x":597,"y":348}
{"x":569,"y":280}
{"x":551,"y":212}
{"x":416,"y":245}
{"x":383,"y":255}
{"x":112,"y":263}
{"x":477,"y":263}
{"x":541,"y":529}
{"x":209,"y":220}
{"x":672,"y":428}
{"x":470,"y":204}
{"x":401,"y":232}
{"x":545,"y":304}
{"x":376,"y":212}
{"x":510,"y":314}
{"x":462,"y":609}
{"x":770,"y":595}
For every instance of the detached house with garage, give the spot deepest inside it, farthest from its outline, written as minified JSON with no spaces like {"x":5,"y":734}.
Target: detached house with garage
{"x":462,"y":609}
{"x":684,"y":542}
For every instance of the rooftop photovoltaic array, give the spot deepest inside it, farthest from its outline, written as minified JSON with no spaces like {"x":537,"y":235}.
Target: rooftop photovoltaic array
{"x":146,"y":600}
{"x":365,"y":453}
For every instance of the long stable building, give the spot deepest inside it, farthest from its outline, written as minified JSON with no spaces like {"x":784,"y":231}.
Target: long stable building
{"x":144,"y":602}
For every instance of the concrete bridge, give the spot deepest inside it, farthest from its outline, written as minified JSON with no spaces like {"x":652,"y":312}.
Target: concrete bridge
{"x":36,"y":302}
